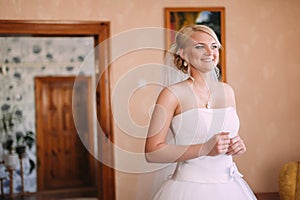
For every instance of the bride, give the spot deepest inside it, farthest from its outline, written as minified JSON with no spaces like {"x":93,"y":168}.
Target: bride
{"x":201,"y":113}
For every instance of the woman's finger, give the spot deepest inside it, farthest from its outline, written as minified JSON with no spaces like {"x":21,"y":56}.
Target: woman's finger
{"x":237,"y":148}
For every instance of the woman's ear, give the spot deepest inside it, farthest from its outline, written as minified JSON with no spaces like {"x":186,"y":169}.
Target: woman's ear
{"x":181,"y":53}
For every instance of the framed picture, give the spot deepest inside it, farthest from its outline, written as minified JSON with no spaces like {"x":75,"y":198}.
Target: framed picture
{"x":214,"y":17}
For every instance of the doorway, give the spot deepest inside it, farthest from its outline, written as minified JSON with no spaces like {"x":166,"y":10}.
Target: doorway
{"x":100,"y":31}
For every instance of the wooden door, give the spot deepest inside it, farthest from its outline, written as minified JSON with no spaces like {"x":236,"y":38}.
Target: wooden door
{"x":63,"y":160}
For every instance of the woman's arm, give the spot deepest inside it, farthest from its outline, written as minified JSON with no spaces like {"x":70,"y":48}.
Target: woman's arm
{"x":157,"y":150}
{"x":237,"y":145}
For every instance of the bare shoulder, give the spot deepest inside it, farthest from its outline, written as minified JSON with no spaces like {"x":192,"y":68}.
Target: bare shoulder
{"x":229,"y":93}
{"x":228,"y":89}
{"x":172,"y":94}
{"x":177,"y":87}
{"x":167,"y":96}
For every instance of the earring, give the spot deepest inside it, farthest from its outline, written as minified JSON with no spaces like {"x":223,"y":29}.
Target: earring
{"x":185,"y":64}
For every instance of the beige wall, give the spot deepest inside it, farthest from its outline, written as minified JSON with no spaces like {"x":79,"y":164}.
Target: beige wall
{"x":262,"y":51}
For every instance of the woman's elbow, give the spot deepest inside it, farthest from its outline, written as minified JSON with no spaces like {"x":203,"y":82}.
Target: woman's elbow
{"x":148,"y":157}
{"x":155,"y":153}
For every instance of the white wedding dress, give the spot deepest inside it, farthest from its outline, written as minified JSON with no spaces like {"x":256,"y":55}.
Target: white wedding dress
{"x":206,"y":177}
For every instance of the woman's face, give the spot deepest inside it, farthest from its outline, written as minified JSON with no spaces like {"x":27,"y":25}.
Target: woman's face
{"x":203,"y":53}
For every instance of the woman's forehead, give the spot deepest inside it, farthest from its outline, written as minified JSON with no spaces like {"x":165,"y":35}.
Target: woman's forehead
{"x":202,"y":37}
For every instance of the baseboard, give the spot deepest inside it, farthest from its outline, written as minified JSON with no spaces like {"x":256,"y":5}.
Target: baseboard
{"x":268,"y":196}
{"x":61,"y":193}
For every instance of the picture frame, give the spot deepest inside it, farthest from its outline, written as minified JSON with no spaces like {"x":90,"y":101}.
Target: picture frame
{"x":214,"y":17}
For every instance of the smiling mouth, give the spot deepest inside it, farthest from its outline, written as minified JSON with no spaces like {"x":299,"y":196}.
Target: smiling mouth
{"x":207,"y":60}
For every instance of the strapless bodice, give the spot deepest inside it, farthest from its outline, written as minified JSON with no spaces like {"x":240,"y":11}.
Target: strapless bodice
{"x":196,"y":126}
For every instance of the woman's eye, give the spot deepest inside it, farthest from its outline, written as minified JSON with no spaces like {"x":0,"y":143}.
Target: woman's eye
{"x":199,"y":46}
{"x":214,"y":47}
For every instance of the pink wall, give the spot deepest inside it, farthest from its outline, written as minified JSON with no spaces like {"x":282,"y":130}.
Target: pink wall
{"x":262,"y":41}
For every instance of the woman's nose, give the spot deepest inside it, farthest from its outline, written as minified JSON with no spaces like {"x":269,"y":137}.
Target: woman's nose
{"x":208,"y":50}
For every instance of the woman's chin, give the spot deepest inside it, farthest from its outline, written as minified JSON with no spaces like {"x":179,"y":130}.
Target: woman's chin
{"x":208,"y":68}
{"x":205,"y":67}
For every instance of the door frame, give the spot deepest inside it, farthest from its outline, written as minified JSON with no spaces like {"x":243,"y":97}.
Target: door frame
{"x":100,"y":30}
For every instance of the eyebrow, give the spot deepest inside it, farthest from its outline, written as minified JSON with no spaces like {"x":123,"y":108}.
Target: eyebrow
{"x":204,"y":43}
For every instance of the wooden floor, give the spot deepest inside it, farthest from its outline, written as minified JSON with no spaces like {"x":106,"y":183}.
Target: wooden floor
{"x":70,"y":194}
{"x":91,"y":194}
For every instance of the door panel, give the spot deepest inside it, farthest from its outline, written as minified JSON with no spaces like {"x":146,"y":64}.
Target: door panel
{"x":64,"y":162}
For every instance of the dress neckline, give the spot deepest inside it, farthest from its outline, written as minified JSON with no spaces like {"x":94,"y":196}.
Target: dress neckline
{"x":209,"y":110}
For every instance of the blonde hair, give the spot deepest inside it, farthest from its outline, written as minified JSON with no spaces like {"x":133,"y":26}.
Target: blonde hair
{"x":182,"y":40}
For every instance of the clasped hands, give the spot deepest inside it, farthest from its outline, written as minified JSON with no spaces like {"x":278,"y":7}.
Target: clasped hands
{"x":222,"y":144}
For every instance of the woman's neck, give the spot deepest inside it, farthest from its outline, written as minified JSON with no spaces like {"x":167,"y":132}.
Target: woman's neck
{"x":200,"y":78}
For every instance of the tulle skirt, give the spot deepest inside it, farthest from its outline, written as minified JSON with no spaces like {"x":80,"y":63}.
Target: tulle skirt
{"x":236,"y":189}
